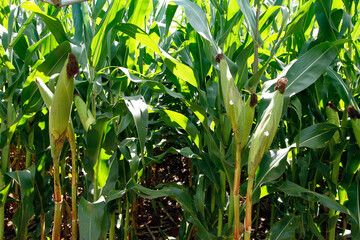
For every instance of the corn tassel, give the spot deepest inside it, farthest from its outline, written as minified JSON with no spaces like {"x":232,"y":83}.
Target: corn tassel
{"x":260,"y":142}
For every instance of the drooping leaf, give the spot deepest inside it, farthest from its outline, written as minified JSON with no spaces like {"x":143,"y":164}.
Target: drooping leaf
{"x":271,"y":167}
{"x":98,"y":46}
{"x":250,"y":19}
{"x":177,"y":68}
{"x":295,"y":190}
{"x":55,"y":60}
{"x":354,"y":206}
{"x":96,"y":156}
{"x":175,"y":119}
{"x":285,"y":228}
{"x":25,"y":179}
{"x":53,"y":24}
{"x":91,"y":218}
{"x":323,"y":17}
{"x":138,"y":108}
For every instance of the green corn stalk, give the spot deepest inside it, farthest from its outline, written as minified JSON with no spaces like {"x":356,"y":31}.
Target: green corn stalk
{"x":333,"y":117}
{"x":241,"y":117}
{"x":59,"y":105}
{"x":260,"y":142}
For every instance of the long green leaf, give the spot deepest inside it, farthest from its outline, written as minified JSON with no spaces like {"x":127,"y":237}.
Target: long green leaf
{"x":309,"y":67}
{"x":96,"y":157}
{"x":176,"y":119}
{"x":138,"y":108}
{"x":293,"y":189}
{"x":55,"y":60}
{"x":271,"y":166}
{"x":25,"y":211}
{"x":98,"y":47}
{"x":285,"y":228}
{"x":317,"y":135}
{"x":179,"y":69}
{"x":249,"y":15}
{"x":53,"y":24}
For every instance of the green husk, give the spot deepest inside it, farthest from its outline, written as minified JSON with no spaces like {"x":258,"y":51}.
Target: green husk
{"x":333,"y":117}
{"x":267,"y":127}
{"x":86,"y":117}
{"x":355,"y":122}
{"x":61,"y":106}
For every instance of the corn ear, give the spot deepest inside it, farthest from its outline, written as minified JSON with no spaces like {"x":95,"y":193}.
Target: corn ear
{"x":46,"y":94}
{"x":61,"y":106}
{"x":232,"y":98}
{"x":355,"y":122}
{"x":249,"y":110}
{"x":85,"y":114}
{"x":267,"y":127}
{"x":333,"y":117}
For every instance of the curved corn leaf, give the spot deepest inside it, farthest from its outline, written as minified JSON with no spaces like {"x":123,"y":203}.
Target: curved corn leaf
{"x":285,"y":228}
{"x":53,"y":24}
{"x":175,"y":119}
{"x":317,"y":135}
{"x":309,"y":67}
{"x":179,"y":69}
{"x":91,"y":219}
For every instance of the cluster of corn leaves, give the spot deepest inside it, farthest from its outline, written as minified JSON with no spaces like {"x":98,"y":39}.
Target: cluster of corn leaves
{"x":148,"y":74}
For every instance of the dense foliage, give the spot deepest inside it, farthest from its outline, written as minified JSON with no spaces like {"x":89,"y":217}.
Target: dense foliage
{"x":151,"y":83}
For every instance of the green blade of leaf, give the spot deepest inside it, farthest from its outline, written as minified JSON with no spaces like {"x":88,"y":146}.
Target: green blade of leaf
{"x":53,"y":24}
{"x":317,"y":135}
{"x":179,"y":69}
{"x":309,"y":67}
{"x":55,"y":60}
{"x":91,"y":217}
{"x":285,"y":228}
{"x":176,"y":119}
{"x":138,"y":108}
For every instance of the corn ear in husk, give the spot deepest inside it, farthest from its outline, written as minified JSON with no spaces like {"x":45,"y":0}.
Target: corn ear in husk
{"x":249,"y":111}
{"x":61,"y":106}
{"x":333,"y":117}
{"x":86,"y":117}
{"x":233,"y":102}
{"x":355,"y":122}
{"x":267,"y":127}
{"x":46,"y":94}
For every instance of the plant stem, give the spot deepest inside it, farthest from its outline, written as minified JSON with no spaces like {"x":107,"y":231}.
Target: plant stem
{"x":71,"y":139}
{"x":112,"y":226}
{"x":30,"y":144}
{"x":57,"y":200}
{"x":127,"y":218}
{"x":10,"y":117}
{"x":236,"y":192}
{"x":222,"y":201}
{"x":248,"y":207}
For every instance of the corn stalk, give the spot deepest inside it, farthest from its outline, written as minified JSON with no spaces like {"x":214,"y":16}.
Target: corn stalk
{"x":59,"y":105}
{"x":259,"y":144}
